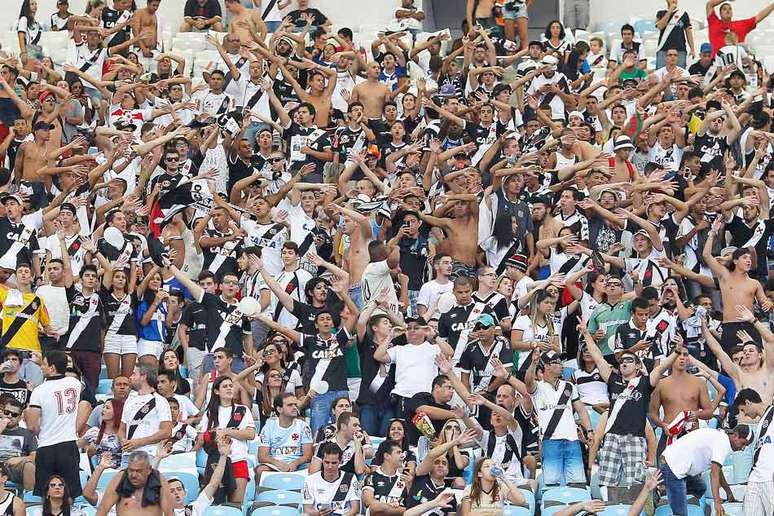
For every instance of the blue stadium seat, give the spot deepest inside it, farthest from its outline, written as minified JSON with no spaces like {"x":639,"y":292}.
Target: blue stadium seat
{"x":530,"y":497}
{"x":222,"y":510}
{"x":189,"y":480}
{"x":283,"y":481}
{"x":28,"y":498}
{"x":615,"y":510}
{"x":276,"y":511}
{"x":88,"y":510}
{"x":178,"y":461}
{"x":550,"y":511}
{"x":105,"y":385}
{"x":666,"y":510}
{"x":250,"y":491}
{"x":280,"y":497}
{"x":643,"y":26}
{"x":201,"y":460}
{"x":105,"y":479}
{"x":566,"y":495}
{"x":513,"y":510}
{"x":103,"y":372}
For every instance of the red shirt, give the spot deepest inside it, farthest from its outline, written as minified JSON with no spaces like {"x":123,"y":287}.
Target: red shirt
{"x":718,"y":29}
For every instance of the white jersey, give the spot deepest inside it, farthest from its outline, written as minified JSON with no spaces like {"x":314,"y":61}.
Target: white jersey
{"x":764,"y":467}
{"x":376,"y":277}
{"x":150,"y":423}
{"x":320,"y":493}
{"x":57,"y":398}
{"x":546,"y":400}
{"x":239,"y":448}
{"x":668,"y":158}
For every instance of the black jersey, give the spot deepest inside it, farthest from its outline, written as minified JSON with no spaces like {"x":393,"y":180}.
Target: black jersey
{"x":119,"y":313}
{"x":87,"y":321}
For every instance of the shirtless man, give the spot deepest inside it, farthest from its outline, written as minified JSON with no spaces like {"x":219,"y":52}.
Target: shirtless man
{"x":356,"y":257}
{"x":736,"y":289}
{"x":127,"y":490}
{"x":372,"y":93}
{"x":146,"y":20}
{"x":755,"y":369}
{"x":462,"y":231}
{"x":623,"y":169}
{"x":246,"y":24}
{"x":31,"y":156}
{"x":683,"y":398}
{"x":319,"y":95}
{"x":480,"y":12}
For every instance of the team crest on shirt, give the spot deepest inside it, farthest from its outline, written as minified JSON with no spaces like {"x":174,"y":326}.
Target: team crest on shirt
{"x":294,"y":437}
{"x":343,"y":488}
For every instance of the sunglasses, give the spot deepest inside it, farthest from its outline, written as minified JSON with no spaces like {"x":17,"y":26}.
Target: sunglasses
{"x":267,"y":352}
{"x":275,"y":160}
{"x":11,"y":413}
{"x":171,"y":159}
{"x":56,"y":486}
{"x":628,"y":360}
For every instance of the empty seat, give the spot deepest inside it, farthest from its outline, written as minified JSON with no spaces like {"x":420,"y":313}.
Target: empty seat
{"x":105,"y":386}
{"x":615,"y":510}
{"x":222,"y":510}
{"x":666,"y":510}
{"x":280,"y":497}
{"x":283,"y":481}
{"x":179,"y":462}
{"x":566,"y":495}
{"x":277,"y":510}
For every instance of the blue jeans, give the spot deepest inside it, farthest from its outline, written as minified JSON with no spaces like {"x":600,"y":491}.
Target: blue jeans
{"x":237,"y":365}
{"x":356,"y":293}
{"x":375,"y":419}
{"x":321,"y":408}
{"x":562,"y":462}
{"x":272,"y":26}
{"x":678,"y":489}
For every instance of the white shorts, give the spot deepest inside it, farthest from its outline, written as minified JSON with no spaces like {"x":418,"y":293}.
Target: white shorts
{"x":149,"y":347}
{"x":120,"y":344}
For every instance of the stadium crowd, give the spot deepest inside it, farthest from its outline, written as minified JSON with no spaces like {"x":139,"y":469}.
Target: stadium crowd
{"x":484,"y":275}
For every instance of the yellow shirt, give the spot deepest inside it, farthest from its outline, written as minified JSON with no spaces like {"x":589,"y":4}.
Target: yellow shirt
{"x":20,"y":322}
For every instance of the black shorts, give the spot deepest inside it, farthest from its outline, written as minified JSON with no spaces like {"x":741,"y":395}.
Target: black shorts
{"x":728,"y":338}
{"x":62,"y":459}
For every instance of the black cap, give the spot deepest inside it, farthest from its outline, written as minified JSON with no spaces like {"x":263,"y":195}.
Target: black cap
{"x":415,"y":318}
{"x":68,"y":206}
{"x":536,"y":43}
{"x":40,"y":124}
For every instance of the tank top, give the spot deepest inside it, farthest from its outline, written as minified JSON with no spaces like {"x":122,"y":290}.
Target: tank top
{"x":563,"y":162}
{"x":6,"y":506}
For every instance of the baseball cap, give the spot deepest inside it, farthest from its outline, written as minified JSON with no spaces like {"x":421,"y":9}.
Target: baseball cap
{"x":550,"y":61}
{"x":705,"y":48}
{"x":485,"y":321}
{"x":644,"y":233}
{"x":68,"y":206}
{"x":44,"y":95}
{"x":743,"y":431}
{"x":13,"y":197}
{"x":575,"y":113}
{"x":415,"y":319}
{"x":551,"y":356}
{"x":41,"y":125}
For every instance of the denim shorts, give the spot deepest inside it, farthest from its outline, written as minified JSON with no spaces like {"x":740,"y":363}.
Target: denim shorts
{"x":513,"y":11}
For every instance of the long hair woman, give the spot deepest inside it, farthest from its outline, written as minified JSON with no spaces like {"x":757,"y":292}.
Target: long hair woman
{"x":555,"y":39}
{"x":458,"y":459}
{"x":57,"y":500}
{"x":488,"y":493}
{"x":10,"y":504}
{"x":117,"y":294}
{"x":29,"y":31}
{"x":535,"y":330}
{"x":170,"y":361}
{"x":504,"y":241}
{"x":224,"y":417}
{"x":151,"y":317}
{"x":103,"y":439}
{"x":397,"y":431}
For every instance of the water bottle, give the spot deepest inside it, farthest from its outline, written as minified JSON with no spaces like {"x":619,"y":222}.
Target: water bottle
{"x":497,"y":472}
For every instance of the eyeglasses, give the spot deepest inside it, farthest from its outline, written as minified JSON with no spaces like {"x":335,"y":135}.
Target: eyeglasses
{"x":614,"y":284}
{"x":267,"y":352}
{"x":56,"y":486}
{"x":230,"y":282}
{"x":279,"y":341}
{"x":275,"y":160}
{"x":11,"y":413}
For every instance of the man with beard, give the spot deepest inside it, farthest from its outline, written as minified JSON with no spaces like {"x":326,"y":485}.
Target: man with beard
{"x":551,"y":88}
{"x":713,"y":140}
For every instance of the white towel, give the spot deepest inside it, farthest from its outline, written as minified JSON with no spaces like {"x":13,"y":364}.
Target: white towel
{"x":14,"y":298}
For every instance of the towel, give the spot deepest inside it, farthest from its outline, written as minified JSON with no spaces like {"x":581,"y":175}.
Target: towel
{"x":14,"y":298}
{"x":151,"y":493}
